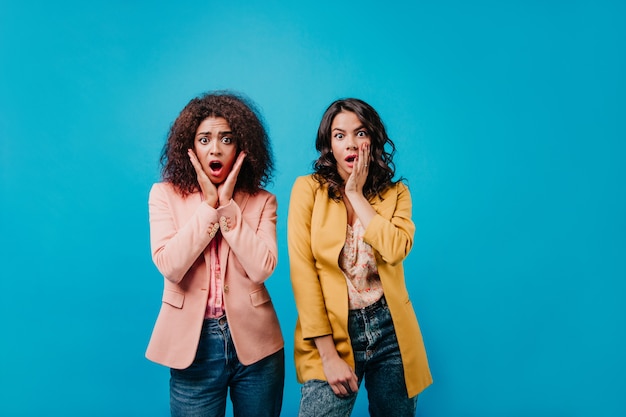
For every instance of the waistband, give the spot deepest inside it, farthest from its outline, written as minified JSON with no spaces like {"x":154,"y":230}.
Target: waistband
{"x":382,"y":302}
{"x":218,"y":320}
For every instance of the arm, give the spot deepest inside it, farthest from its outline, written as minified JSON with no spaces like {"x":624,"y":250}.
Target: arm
{"x":308,"y":292}
{"x":255,"y":246}
{"x":354,"y":188}
{"x":304,"y":279}
{"x":339,"y":374}
{"x":393,"y":238}
{"x":175,"y":248}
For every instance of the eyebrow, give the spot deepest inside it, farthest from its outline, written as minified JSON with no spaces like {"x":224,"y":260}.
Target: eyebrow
{"x":361,"y":127}
{"x":223,"y":133}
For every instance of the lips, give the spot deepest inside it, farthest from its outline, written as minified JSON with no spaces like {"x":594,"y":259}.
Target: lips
{"x":215,"y":167}
{"x":350,"y":160}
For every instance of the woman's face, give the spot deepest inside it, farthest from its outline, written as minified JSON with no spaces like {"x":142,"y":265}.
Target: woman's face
{"x":347,"y":135}
{"x":215,"y":148}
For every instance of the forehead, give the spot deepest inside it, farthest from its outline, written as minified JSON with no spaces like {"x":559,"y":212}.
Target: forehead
{"x":346,"y":120}
{"x":213,"y":124}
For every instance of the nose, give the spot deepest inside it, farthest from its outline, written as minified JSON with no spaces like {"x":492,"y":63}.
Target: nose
{"x":350,"y":142}
{"x":214,"y":147}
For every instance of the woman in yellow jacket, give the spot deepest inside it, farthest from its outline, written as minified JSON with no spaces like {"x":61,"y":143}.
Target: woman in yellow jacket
{"x":349,"y":229}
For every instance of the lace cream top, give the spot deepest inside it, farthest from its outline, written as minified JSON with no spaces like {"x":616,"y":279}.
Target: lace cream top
{"x":358,"y":264}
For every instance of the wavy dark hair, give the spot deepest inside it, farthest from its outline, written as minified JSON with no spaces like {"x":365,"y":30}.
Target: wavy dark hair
{"x":381,"y":168}
{"x":248,"y":130}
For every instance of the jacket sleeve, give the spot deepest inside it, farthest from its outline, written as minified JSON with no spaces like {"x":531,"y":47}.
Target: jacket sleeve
{"x":393,"y":238}
{"x":254,"y":245}
{"x":176,"y":247}
{"x":304,"y":276}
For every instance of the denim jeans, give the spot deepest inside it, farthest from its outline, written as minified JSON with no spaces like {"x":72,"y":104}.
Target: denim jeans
{"x":378,"y":362}
{"x":201,"y":389}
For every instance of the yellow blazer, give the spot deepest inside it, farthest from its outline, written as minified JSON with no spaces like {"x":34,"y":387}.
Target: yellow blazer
{"x":316,"y":231}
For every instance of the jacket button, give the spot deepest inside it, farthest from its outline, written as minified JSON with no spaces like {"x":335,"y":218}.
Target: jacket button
{"x":224,"y":224}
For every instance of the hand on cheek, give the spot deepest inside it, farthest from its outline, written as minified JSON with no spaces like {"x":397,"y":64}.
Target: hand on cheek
{"x":209,"y":191}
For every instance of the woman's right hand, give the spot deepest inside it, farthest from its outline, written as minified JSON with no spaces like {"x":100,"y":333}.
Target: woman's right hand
{"x":339,"y":374}
{"x":209,"y":190}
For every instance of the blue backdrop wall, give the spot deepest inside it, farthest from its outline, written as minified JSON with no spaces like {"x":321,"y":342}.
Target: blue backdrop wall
{"x":509,"y":118}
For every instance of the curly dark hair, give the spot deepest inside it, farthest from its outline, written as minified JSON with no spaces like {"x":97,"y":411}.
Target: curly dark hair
{"x":382,"y":169}
{"x":248,"y":131}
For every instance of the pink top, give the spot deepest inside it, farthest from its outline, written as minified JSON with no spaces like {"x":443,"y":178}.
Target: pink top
{"x":215,"y":304}
{"x":358,"y":264}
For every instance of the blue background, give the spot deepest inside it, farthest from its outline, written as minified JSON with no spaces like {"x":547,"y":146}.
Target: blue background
{"x":509,"y":118}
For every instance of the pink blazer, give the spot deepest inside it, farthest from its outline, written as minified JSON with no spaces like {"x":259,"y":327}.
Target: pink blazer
{"x":180,"y":232}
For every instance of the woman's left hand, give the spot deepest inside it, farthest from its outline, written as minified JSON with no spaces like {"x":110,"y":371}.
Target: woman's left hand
{"x":356,"y":180}
{"x":354,"y":187}
{"x":226,"y":189}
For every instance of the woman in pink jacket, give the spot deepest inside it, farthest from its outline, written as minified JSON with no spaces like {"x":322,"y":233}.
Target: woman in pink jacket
{"x":213,"y":238}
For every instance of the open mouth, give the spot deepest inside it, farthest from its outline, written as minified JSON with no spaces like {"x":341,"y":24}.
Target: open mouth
{"x":350,"y":159}
{"x":215,"y":165}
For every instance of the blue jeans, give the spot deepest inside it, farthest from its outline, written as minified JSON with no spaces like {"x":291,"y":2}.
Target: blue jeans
{"x":201,"y":389}
{"x":378,"y":362}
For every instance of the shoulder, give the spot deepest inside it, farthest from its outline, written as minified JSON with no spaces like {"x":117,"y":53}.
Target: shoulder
{"x":307,"y":182}
{"x":393,"y":196}
{"x":162,"y":189}
{"x":259,"y":199}
{"x":167,"y":187}
{"x":167,"y":194}
{"x":262,"y":196}
{"x":396,"y":189}
{"x":307,"y":189}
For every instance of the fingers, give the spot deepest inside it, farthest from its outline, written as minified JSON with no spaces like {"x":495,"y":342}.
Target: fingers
{"x":206,"y":186}
{"x":360,"y":168}
{"x":239,"y":162}
{"x":227,"y":188}
{"x":364,"y":157}
{"x":345,"y":389}
{"x":234,"y":172}
{"x":353,"y":383}
{"x":340,"y":390}
{"x":345,"y":386}
{"x":359,"y":173}
{"x":195,"y":162}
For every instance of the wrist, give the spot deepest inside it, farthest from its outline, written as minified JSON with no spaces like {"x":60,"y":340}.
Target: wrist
{"x":354,"y":195}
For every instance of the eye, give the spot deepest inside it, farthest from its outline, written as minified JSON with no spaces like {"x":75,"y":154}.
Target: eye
{"x":339,"y":135}
{"x":203,"y":140}
{"x":362,"y":133}
{"x":227,"y":140}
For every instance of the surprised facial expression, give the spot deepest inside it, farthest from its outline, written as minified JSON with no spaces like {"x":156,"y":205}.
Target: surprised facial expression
{"x":215,"y":148}
{"x":348,"y":134}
